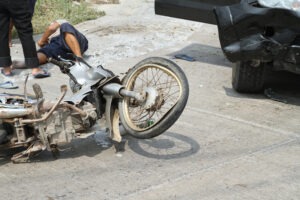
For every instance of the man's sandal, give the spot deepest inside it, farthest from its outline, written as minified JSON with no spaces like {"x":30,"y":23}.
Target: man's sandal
{"x":8,"y":85}
{"x":42,"y":74}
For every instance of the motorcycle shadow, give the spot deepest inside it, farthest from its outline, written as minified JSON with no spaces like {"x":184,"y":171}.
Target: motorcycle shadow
{"x":77,"y":148}
{"x":167,"y":146}
{"x":6,"y":154}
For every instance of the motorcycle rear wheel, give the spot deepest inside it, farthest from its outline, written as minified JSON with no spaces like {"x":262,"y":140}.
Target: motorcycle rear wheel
{"x":167,"y":82}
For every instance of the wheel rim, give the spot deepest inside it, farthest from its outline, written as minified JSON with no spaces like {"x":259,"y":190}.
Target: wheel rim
{"x":168,"y":91}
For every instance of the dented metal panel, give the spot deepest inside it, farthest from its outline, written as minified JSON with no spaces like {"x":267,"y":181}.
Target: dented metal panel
{"x":252,"y":32}
{"x":249,"y":30}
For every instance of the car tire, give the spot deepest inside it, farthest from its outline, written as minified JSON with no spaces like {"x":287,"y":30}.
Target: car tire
{"x":248,"y":77}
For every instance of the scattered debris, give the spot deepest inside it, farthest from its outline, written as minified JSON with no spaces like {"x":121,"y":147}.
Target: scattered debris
{"x":274,"y":96}
{"x":184,"y":57}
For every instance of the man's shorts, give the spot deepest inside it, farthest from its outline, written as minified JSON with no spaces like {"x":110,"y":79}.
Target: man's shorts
{"x":58,"y":46}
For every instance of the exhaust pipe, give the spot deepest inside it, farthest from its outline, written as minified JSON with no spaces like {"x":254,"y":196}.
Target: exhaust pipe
{"x":14,"y":113}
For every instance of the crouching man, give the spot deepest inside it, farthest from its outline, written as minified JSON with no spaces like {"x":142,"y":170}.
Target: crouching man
{"x":59,"y":40}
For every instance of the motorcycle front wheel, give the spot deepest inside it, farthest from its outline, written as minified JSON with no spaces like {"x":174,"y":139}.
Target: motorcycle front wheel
{"x":167,"y":90}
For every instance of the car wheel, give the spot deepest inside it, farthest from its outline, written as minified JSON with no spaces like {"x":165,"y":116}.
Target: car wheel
{"x":248,"y":76}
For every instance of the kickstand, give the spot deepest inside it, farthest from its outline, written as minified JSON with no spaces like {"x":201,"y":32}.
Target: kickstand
{"x":119,"y":146}
{"x":55,"y":151}
{"x":24,"y":157}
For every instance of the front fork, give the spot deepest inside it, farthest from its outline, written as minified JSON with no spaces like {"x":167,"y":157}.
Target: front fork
{"x":116,"y":91}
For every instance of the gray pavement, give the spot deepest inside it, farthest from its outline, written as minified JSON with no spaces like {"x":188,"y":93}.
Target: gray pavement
{"x":224,"y":146}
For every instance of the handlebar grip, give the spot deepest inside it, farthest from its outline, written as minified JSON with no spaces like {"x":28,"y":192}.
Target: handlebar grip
{"x":56,"y":62}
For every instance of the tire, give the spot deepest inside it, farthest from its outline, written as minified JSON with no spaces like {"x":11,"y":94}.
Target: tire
{"x":171,"y":89}
{"x":247,"y":78}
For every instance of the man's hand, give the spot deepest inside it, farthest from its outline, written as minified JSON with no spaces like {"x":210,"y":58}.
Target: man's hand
{"x":42,"y":43}
{"x":48,"y":32}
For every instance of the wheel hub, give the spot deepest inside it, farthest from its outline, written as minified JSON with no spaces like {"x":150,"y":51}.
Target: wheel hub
{"x":154,"y":99}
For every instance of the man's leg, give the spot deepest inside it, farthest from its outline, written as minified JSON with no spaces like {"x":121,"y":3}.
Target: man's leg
{"x":73,"y":40}
{"x":21,"y":64}
{"x":11,"y":26}
{"x":73,"y":44}
{"x":21,"y":16}
{"x":38,"y":72}
{"x":5,"y":59}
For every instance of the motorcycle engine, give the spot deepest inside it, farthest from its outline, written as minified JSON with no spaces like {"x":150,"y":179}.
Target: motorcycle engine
{"x":64,"y":124}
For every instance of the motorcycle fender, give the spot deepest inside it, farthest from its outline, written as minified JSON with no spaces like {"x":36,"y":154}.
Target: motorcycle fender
{"x":80,"y":95}
{"x":112,"y":119}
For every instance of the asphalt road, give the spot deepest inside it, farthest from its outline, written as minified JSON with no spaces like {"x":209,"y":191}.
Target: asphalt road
{"x":224,"y":146}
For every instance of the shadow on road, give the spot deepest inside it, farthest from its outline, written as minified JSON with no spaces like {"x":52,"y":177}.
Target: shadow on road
{"x":77,"y":148}
{"x":166,"y":146}
{"x":204,"y":53}
{"x":6,"y":154}
{"x":284,"y":85}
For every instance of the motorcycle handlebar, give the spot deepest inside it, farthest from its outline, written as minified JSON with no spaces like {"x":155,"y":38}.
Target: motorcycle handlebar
{"x":61,"y":64}
{"x":64,"y":67}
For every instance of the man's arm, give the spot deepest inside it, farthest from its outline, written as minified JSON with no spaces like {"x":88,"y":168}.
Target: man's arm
{"x":49,"y":31}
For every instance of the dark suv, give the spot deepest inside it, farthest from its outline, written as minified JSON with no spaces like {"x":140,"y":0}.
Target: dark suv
{"x":256,"y":35}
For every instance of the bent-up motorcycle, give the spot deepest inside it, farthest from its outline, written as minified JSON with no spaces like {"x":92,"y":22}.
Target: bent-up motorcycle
{"x":146,"y":102}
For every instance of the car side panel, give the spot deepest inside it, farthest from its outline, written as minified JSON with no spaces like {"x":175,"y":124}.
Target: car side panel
{"x":196,"y":10}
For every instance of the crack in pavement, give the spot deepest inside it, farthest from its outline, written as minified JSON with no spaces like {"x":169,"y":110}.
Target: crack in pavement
{"x":235,"y":119}
{"x":215,"y":166}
